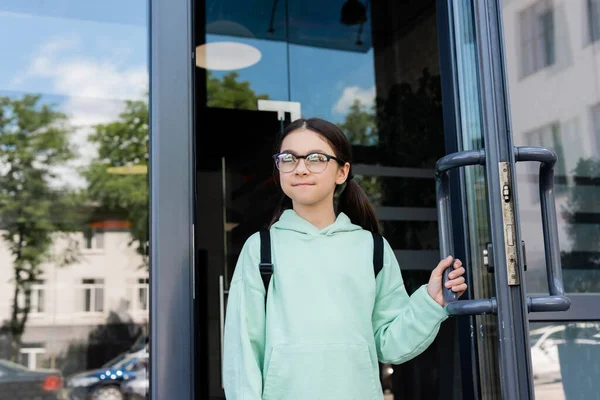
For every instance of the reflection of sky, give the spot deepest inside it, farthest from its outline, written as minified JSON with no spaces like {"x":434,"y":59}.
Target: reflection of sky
{"x":320,"y":79}
{"x":88,"y":57}
{"x":94,"y":53}
{"x":85,"y":66}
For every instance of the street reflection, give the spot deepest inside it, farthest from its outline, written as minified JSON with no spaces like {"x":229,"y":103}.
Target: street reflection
{"x":566,"y":360}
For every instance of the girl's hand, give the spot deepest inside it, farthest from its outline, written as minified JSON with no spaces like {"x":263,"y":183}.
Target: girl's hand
{"x":456,"y":281}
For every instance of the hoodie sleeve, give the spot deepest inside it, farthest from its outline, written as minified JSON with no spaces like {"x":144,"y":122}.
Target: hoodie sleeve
{"x":244,"y":336}
{"x":404,"y":326}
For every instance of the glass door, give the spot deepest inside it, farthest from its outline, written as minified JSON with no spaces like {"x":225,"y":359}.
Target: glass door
{"x":504,"y":296}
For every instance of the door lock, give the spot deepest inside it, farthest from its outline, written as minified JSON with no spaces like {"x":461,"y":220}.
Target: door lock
{"x":488,"y":257}
{"x":506,"y":193}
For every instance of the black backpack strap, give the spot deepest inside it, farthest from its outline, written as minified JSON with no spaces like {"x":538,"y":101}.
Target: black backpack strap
{"x":377,"y":253}
{"x":265,"y":266}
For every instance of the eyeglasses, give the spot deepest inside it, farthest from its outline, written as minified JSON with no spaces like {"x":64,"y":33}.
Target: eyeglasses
{"x":315,"y":162}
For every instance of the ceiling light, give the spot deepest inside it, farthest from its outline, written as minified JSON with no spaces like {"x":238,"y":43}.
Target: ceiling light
{"x":226,"y":56}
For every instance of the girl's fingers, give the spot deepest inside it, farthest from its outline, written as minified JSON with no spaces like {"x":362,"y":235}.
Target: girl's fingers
{"x":457,"y":264}
{"x":457,"y":273}
{"x":454,"y":282}
{"x":459,"y":288}
{"x":441,"y":267}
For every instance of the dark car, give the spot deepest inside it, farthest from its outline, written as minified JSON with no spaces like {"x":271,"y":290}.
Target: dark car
{"x":20,"y":383}
{"x":105,"y":383}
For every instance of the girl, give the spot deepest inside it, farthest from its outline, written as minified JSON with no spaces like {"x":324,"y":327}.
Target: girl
{"x":328,"y":320}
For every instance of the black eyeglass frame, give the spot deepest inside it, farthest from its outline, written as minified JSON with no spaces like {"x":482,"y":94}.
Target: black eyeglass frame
{"x":329,"y":158}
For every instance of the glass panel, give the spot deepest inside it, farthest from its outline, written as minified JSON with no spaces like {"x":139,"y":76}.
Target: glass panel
{"x":558,"y":107}
{"x":566,"y":360}
{"x":73,"y":192}
{"x":475,"y":193}
{"x":370,"y":67}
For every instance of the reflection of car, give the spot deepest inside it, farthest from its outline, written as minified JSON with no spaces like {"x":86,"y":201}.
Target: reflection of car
{"x":105,"y":383}
{"x":18,"y":382}
{"x":137,"y":387}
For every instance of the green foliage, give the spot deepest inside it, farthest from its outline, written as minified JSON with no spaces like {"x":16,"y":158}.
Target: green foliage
{"x":123,"y":143}
{"x":231,"y":93}
{"x":34,"y":139}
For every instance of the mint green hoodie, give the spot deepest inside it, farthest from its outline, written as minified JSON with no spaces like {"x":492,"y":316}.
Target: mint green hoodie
{"x":328,"y":320}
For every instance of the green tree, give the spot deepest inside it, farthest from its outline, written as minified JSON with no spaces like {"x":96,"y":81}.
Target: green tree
{"x":229,"y":92}
{"x":33,"y":140}
{"x":359,"y":125}
{"x":361,"y":130}
{"x":117,"y":178}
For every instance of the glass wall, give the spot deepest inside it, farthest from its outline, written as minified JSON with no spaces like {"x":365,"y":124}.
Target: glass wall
{"x":372,"y":68}
{"x":553,"y":65}
{"x":74,"y":284}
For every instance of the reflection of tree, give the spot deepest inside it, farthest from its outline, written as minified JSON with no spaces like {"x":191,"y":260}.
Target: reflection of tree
{"x":584,"y":232}
{"x":360,"y":128}
{"x":33,"y":140}
{"x":359,"y":125}
{"x":228,"y":92}
{"x":118,"y":180}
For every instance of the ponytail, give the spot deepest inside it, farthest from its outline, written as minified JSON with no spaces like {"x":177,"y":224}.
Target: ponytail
{"x":354,"y":202}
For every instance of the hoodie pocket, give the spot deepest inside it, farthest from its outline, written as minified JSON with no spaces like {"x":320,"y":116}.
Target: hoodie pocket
{"x":330,"y":371}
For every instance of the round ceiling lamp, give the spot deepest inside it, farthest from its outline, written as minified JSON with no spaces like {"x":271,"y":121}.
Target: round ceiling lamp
{"x":353,"y":13}
{"x":226,"y":56}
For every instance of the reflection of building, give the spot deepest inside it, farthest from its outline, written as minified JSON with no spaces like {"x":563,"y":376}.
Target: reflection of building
{"x":70,"y":301}
{"x":553,"y":65}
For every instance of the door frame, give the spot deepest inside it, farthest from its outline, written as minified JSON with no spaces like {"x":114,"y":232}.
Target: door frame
{"x":171,"y":200}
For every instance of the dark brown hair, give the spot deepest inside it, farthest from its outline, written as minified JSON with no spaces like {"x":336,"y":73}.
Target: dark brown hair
{"x":352,"y":201}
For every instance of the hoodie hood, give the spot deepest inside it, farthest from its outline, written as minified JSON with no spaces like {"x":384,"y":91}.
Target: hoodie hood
{"x":291,"y":221}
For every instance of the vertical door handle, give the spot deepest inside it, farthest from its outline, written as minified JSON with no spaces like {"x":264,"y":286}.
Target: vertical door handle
{"x":556,"y":301}
{"x":442,"y":168}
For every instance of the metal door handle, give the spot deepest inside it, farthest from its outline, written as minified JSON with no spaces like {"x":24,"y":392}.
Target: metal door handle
{"x":557,"y":301}
{"x":442,"y":167}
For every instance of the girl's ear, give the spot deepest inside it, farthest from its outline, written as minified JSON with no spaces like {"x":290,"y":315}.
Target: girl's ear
{"x":342,"y":174}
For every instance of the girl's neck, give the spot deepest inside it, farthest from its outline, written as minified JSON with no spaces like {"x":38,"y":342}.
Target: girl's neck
{"x":321,"y":215}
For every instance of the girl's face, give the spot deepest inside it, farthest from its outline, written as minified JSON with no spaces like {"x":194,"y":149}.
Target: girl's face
{"x":303,"y":186}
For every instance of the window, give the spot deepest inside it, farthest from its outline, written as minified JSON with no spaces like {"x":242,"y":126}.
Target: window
{"x":31,"y":357}
{"x":37,"y":298}
{"x":92,"y":291}
{"x":594,"y":19}
{"x":94,"y":238}
{"x":139,"y":295}
{"x":537,"y":37}
{"x":550,"y":137}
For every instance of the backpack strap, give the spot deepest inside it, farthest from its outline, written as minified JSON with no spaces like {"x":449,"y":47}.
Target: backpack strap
{"x":377,"y":253}
{"x":265,"y":266}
